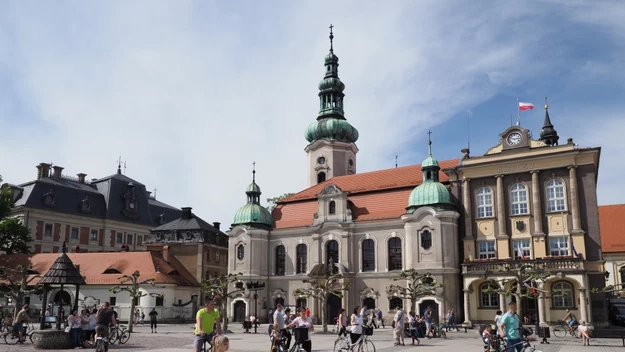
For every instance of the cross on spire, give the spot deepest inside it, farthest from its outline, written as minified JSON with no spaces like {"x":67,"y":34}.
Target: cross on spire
{"x":254,"y":172}
{"x":331,"y":37}
{"x":119,"y":164}
{"x":155,"y":189}
{"x":546,"y":105}
{"x":430,"y":142}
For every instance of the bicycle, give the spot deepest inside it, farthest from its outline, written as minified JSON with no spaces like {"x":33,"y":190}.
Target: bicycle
{"x":561,"y":329}
{"x":501,"y":345}
{"x":207,"y":345}
{"x":12,"y":337}
{"x":344,"y":342}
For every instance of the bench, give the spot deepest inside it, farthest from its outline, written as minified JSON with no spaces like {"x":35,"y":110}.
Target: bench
{"x":609,"y":334}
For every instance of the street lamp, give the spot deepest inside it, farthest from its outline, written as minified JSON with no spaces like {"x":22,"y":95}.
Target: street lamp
{"x":255,"y":286}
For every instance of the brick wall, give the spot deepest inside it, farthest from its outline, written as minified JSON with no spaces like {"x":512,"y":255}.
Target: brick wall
{"x":56,"y":235}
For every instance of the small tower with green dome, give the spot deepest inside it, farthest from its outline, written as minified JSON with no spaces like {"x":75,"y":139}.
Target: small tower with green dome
{"x":430,"y":192}
{"x":253,"y":214}
{"x":331,"y":149}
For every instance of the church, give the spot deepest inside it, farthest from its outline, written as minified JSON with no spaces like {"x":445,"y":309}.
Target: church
{"x":459,"y":222}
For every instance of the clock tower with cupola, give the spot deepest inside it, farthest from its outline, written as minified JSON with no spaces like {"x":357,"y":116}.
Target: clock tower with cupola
{"x":332,"y":140}
{"x":515,"y":138}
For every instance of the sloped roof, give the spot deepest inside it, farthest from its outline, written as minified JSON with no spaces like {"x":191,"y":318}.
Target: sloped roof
{"x":376,"y":195}
{"x":612,"y":228}
{"x":93,"y":265}
{"x":62,"y":271}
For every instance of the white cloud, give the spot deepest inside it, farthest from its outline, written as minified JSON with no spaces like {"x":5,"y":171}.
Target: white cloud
{"x":191,"y":93}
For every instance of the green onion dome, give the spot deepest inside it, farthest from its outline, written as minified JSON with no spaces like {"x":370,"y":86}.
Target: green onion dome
{"x":429,"y":162}
{"x":429,"y":193}
{"x":253,"y":187}
{"x":331,"y":129}
{"x":331,"y":84}
{"x":251,"y":214}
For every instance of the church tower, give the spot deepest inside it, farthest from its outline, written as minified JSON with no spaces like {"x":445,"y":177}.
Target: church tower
{"x":548,"y":134}
{"x":331,"y":149}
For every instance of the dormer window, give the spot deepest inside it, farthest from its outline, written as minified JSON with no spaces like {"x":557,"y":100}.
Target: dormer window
{"x":332,"y":208}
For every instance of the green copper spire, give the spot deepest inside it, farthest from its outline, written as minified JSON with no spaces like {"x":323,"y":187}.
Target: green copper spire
{"x":331,"y":123}
{"x":430,"y":191}
{"x":253,"y":214}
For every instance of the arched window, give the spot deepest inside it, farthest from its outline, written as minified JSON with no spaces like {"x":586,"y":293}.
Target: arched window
{"x":394,"y":254}
{"x":562,"y":295}
{"x":426,"y":240}
{"x":489,"y":298}
{"x":280,"y":260}
{"x":332,"y":255}
{"x":555,"y":195}
{"x":240,"y":252}
{"x":395,"y":302}
{"x":518,"y":199}
{"x":301,"y":256}
{"x":484,"y":202}
{"x":368,"y":255}
{"x":321,"y":177}
{"x":332,"y":208}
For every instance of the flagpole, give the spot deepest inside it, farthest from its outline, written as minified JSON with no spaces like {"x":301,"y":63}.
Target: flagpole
{"x":518,"y":113}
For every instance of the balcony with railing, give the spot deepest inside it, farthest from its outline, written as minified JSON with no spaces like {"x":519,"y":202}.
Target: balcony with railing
{"x":548,"y":264}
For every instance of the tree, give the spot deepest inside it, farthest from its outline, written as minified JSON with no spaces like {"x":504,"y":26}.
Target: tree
{"x":273,"y":202}
{"x":132,"y":285}
{"x":219,"y":289}
{"x":17,"y":284}
{"x":14,"y":236}
{"x":418,"y":285}
{"x":321,"y":289}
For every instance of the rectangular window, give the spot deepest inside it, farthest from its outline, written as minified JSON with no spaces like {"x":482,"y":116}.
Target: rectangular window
{"x":113,"y":301}
{"x":139,"y":240}
{"x":217,"y":256}
{"x":208,"y":255}
{"x":120,"y":238}
{"x":94,"y":235}
{"x":522,"y":249}
{"x":74,"y":233}
{"x":129,"y":239}
{"x":159,"y":301}
{"x":484,"y":203}
{"x":487,"y":249}
{"x":136,"y":300}
{"x":47,"y":231}
{"x":559,"y":246}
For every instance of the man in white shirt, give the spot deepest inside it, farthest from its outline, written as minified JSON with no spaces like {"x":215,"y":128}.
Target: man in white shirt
{"x":398,"y":329}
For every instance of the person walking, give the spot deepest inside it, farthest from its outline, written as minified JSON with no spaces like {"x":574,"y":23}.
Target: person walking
{"x":380,"y":320}
{"x":342,"y":322}
{"x":509,"y":329}
{"x":412,"y":323}
{"x":356,"y":325}
{"x":104,"y":318}
{"x":398,"y":327}
{"x":153,"y":319}
{"x":303,"y":322}
{"x":428,"y":321}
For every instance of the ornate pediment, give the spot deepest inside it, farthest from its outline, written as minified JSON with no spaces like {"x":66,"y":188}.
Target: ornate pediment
{"x":278,"y":293}
{"x":330,"y":189}
{"x":369,"y":293}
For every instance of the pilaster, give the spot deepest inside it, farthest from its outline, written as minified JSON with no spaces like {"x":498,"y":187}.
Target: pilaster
{"x":501,"y":209}
{"x":583,"y":308}
{"x":466,"y":202}
{"x":574,"y":196}
{"x":537,"y":206}
{"x":467,"y":307}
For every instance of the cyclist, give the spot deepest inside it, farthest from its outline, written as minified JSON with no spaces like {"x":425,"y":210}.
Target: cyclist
{"x":509,"y":329}
{"x":104,"y":318}
{"x":205,"y":321}
{"x":571,"y":319}
{"x":21,"y":318}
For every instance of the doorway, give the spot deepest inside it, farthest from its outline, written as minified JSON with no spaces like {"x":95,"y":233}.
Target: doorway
{"x":333,"y":307}
{"x":429,"y":303}
{"x":239,"y":312}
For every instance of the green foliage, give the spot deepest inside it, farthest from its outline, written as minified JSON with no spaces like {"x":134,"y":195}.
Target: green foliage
{"x":321,"y":289}
{"x":14,"y":236}
{"x":523,"y":275}
{"x":272,"y":202}
{"x":418,"y":285}
{"x":615,"y":291}
{"x":132,"y":285}
{"x":220,"y":289}
{"x":17,"y":283}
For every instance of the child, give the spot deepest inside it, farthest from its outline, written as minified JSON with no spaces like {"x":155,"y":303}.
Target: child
{"x":412,"y":322}
{"x":583,"y":331}
{"x":142,"y":317}
{"x":221,"y":344}
{"x":487,"y":337}
{"x":275,"y":337}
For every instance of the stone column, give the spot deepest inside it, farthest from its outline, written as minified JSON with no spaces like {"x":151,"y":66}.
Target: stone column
{"x":467,"y":307}
{"x":501,"y":208}
{"x":574,"y":196}
{"x":542,"y":314}
{"x":537,"y":205}
{"x":502,"y":302}
{"x":466,"y":202}
{"x":583,"y":310}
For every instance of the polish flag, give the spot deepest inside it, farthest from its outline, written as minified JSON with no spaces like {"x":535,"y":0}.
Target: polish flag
{"x":525,"y":106}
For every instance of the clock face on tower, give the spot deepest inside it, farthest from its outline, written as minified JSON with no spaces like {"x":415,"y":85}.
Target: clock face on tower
{"x":514,"y":138}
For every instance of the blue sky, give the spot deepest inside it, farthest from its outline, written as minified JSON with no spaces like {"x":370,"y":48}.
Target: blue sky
{"x":191,"y":92}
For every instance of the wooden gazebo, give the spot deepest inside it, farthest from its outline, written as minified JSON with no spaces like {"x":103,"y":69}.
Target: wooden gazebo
{"x":62,"y":272}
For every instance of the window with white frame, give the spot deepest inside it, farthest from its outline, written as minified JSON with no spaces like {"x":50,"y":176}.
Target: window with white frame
{"x":522,"y":249}
{"x":47,"y":230}
{"x":562,"y":295}
{"x":484,"y":202}
{"x":518,"y":199}
{"x":93,"y":236}
{"x":74,"y":233}
{"x":555,"y":196}
{"x":486,"y":250}
{"x":489,"y":298}
{"x":559,"y":246}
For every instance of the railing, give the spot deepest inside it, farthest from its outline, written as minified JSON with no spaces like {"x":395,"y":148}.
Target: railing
{"x":552,"y":265}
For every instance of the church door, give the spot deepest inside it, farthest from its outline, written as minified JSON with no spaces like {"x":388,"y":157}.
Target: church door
{"x":333,"y":307}
{"x":430,"y":303}
{"x":239,"y":311}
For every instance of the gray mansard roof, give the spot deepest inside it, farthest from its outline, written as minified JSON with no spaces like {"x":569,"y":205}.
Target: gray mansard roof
{"x":188,"y":228}
{"x":116,"y":197}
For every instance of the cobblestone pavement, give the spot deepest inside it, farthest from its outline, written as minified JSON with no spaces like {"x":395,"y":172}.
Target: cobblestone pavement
{"x":179,"y":338}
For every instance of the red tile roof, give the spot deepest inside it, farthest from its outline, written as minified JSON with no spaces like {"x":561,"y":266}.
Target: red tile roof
{"x":612,"y":227}
{"x":93,"y":265}
{"x":374,"y":195}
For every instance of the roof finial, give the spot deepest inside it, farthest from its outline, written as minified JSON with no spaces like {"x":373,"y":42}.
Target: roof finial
{"x":64,"y":248}
{"x":546,"y":105}
{"x":119,"y":165}
{"x":254,"y":172}
{"x":430,"y":143}
{"x":331,"y":38}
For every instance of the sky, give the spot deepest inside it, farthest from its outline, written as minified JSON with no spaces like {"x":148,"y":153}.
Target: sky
{"x":190,"y":93}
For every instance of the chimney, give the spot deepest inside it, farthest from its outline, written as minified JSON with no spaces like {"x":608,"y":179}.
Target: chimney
{"x":569,"y":141}
{"x":81,"y":177}
{"x":186,"y":213}
{"x":466,"y":153}
{"x":166,"y":252}
{"x":43,"y":170}
{"x":216,"y":225}
{"x":57,"y":171}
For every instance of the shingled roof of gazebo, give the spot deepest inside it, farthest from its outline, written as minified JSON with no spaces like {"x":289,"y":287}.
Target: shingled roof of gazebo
{"x":63,"y":271}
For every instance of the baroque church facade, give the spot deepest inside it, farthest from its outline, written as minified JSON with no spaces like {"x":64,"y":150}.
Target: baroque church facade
{"x":463,"y":222}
